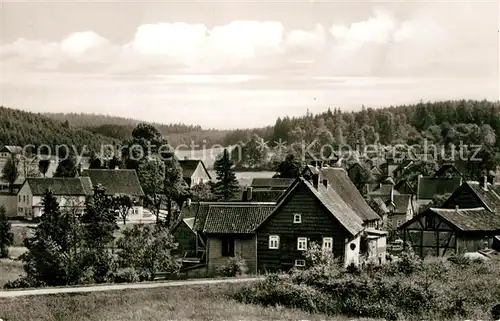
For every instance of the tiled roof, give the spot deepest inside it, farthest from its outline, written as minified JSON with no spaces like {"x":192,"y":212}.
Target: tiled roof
{"x":116,"y":181}
{"x":190,"y":165}
{"x":236,"y":218}
{"x":345,"y":188}
{"x":473,"y":219}
{"x":74,"y":186}
{"x":429,"y":186}
{"x":280,"y":183}
{"x":489,"y":197}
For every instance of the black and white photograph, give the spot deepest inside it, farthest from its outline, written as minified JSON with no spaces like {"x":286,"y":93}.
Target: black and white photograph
{"x":242,"y":160}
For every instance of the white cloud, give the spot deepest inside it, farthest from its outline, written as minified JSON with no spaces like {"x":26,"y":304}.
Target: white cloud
{"x":425,"y":41}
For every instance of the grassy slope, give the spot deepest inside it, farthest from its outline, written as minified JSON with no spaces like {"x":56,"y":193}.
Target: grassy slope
{"x":184,"y":303}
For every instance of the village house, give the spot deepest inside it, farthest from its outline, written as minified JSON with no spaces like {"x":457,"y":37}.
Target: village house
{"x":194,"y":172}
{"x":468,"y":221}
{"x":69,"y":192}
{"x":266,"y":189}
{"x":429,"y":186}
{"x":119,"y":182}
{"x":272,"y":236}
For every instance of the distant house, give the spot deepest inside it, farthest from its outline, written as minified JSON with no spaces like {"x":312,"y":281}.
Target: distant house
{"x":428,"y":187}
{"x":194,"y":172}
{"x":185,"y":235}
{"x":119,"y":181}
{"x":472,"y":194}
{"x":447,"y":170}
{"x":266,"y":189}
{"x":271,"y":183}
{"x":68,"y":191}
{"x":398,"y":208}
{"x":441,"y":232}
{"x":7,"y":150}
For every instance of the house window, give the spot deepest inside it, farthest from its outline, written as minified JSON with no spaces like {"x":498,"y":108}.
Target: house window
{"x":297,"y":218}
{"x":398,"y":223}
{"x":24,"y":198}
{"x":302,"y":244}
{"x":430,"y":222}
{"x":19,"y":198}
{"x":300,"y":263}
{"x":327,"y":243}
{"x":228,"y":246}
{"x":274,"y":242}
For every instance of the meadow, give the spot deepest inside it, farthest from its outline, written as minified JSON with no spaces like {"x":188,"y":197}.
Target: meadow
{"x":211,"y":302}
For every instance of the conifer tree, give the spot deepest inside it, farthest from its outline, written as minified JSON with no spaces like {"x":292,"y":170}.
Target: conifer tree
{"x":227,"y":185}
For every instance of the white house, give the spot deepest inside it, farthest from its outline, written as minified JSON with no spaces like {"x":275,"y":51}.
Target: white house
{"x":68,"y":192}
{"x":119,"y":181}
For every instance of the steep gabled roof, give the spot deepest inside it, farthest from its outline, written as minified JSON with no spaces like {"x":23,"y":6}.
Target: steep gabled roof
{"x":115,"y":181}
{"x":331,"y":201}
{"x":11,"y":149}
{"x":345,"y":188}
{"x":489,"y":197}
{"x":428,"y":186}
{"x":279,"y":183}
{"x":384,"y":190}
{"x":71,"y":186}
{"x":189,"y":166}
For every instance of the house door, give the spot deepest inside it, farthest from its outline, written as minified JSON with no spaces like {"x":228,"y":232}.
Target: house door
{"x":228,"y":246}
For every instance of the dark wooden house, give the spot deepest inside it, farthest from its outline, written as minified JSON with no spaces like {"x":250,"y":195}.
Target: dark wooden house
{"x":313,"y":211}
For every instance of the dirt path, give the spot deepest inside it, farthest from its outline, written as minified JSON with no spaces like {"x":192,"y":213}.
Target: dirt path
{"x":115,"y":287}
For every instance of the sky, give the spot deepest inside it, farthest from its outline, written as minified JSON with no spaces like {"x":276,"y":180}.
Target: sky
{"x":242,"y":64}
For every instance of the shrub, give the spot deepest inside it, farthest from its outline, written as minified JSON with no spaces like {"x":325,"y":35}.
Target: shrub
{"x":23,"y":283}
{"x":409,"y":262}
{"x":128,"y":275}
{"x":236,"y":266}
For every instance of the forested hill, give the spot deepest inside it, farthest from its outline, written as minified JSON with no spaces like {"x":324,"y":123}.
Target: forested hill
{"x":443,"y":122}
{"x":439,"y":122}
{"x":177,"y":134}
{"x":22,"y":128}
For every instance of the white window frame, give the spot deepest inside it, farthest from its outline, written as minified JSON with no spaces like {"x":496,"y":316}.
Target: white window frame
{"x":300,"y":263}
{"x":274,"y":242}
{"x":302,"y":241}
{"x":297,"y":218}
{"x":327,"y":241}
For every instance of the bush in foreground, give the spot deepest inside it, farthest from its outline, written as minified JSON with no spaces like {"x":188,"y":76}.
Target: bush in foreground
{"x":236,"y":266}
{"x":408,"y":289}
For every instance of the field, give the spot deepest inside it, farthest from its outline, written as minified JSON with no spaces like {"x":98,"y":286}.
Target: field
{"x":211,"y":302}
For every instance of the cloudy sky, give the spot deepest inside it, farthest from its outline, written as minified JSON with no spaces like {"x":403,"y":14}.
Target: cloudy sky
{"x":243,"y":64}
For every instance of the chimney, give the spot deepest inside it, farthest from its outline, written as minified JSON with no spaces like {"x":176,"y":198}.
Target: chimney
{"x":325,"y":183}
{"x":188,"y":202}
{"x":456,"y":208}
{"x":249,"y":193}
{"x":392,"y":194}
{"x":79,"y":168}
{"x":485,"y":183}
{"x":418,"y":184}
{"x":117,"y":167}
{"x":315,"y":180}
